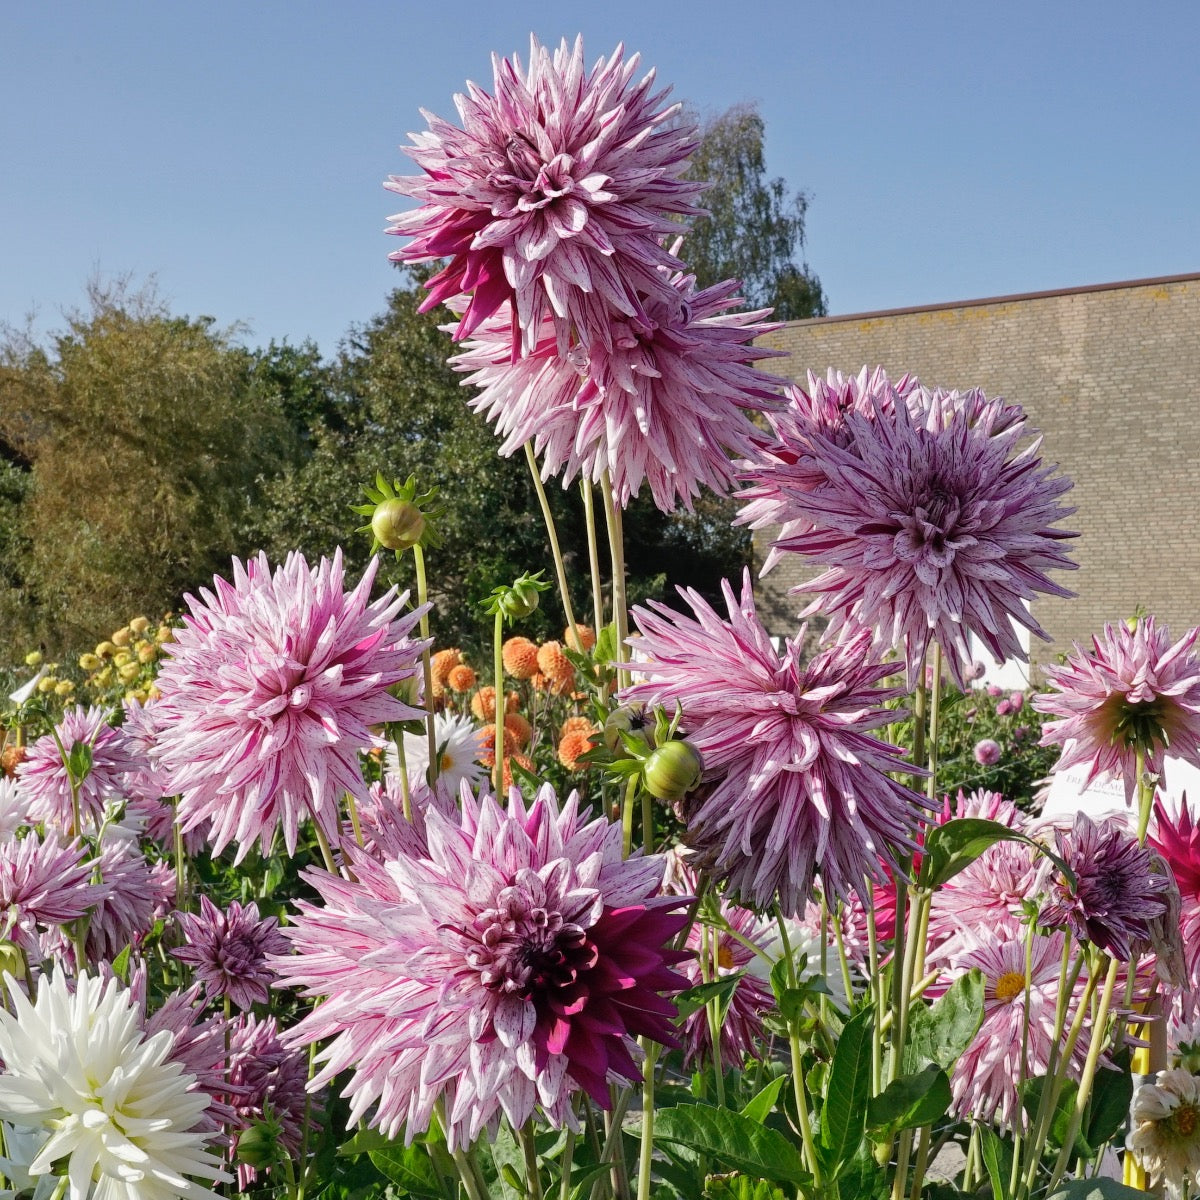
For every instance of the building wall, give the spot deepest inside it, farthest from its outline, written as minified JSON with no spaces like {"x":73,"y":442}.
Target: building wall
{"x":1111,"y":377}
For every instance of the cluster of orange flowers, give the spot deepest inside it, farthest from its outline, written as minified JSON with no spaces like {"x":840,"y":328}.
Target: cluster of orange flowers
{"x":545,"y":669}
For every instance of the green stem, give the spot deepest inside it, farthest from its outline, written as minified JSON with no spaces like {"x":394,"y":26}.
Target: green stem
{"x":302,"y":1182}
{"x":646,"y":1155}
{"x":326,"y":852}
{"x":616,"y":547}
{"x":797,"y":1057}
{"x":589,"y":516}
{"x":568,"y":1155}
{"x":426,"y":659}
{"x":533,"y":1181}
{"x":498,"y":667}
{"x":352,"y":809}
{"x":180,"y":861}
{"x":402,"y":764}
{"x":559,"y":567}
{"x":627,"y":817}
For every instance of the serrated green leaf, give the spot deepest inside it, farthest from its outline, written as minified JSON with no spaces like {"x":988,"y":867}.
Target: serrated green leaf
{"x":844,"y":1113}
{"x":940,"y":1033}
{"x":695,"y":998}
{"x":732,"y":1140}
{"x":910,"y":1101}
{"x":955,"y":845}
{"x":408,"y":1167}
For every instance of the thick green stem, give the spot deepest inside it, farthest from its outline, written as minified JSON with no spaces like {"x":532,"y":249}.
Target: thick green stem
{"x":326,"y":851}
{"x":352,"y":809}
{"x":426,"y":660}
{"x":797,"y":1057}
{"x":180,"y":860}
{"x":646,"y":1154}
{"x":501,"y":706}
{"x":568,"y":1155}
{"x":402,"y":764}
{"x":533,"y":1180}
{"x":616,"y":547}
{"x":589,"y":516}
{"x":560,"y":569}
{"x":627,"y":816}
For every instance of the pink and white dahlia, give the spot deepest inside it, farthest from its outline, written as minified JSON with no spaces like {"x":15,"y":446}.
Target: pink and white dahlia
{"x":1134,"y":690}
{"x":44,"y":884}
{"x":13,"y":807}
{"x":229,"y":950}
{"x":511,"y":968}
{"x":794,"y":784}
{"x":555,"y":195}
{"x":136,"y":892}
{"x":787,"y":461}
{"x":268,"y":694}
{"x":931,"y":524}
{"x":45,"y":783}
{"x":663,"y":399}
{"x":987,"y":1076}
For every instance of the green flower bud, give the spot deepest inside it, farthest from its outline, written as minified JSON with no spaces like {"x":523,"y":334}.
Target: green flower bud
{"x":521,"y":600}
{"x":259,"y":1146}
{"x":672,"y":770}
{"x":628,"y":719}
{"x":12,"y":960}
{"x":397,"y":524}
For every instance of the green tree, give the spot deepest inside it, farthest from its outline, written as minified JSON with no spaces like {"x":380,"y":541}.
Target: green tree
{"x":754,"y":230}
{"x":148,"y":439}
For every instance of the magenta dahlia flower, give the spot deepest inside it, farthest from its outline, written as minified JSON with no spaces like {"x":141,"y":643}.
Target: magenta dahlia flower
{"x":555,"y":195}
{"x":931,"y":524}
{"x":1178,"y":841}
{"x":229,"y":950}
{"x":987,"y":1076}
{"x":511,"y":968}
{"x":794,"y":784}
{"x":268,"y":694}
{"x":43,"y":779}
{"x":1134,"y":690}
{"x":664,"y":399}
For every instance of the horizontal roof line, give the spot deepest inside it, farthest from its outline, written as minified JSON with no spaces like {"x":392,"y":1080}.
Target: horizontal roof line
{"x":1069,"y":291}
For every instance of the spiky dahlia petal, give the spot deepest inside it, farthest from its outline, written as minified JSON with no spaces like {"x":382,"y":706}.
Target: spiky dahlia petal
{"x":664,"y":400}
{"x":554,"y":197}
{"x":794,"y":784}
{"x":1134,"y":689}
{"x":268,"y":694}
{"x":931,"y":523}
{"x":510,"y":968}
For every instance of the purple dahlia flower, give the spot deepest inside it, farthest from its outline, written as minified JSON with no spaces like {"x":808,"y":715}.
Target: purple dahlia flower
{"x":555,"y":195}
{"x":794,"y":783}
{"x":512,"y":967}
{"x":664,"y":399}
{"x":931,"y":524}
{"x":229,"y":950}
{"x":268,"y":694}
{"x":1134,"y":690}
{"x":1117,"y":894}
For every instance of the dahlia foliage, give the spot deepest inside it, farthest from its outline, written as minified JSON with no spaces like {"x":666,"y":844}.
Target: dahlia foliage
{"x":690,"y":901}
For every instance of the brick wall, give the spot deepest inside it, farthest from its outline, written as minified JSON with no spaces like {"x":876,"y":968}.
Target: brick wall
{"x":1111,"y":376}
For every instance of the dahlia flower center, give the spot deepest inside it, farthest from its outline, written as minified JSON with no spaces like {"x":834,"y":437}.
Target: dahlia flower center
{"x":930,"y":532}
{"x":725,"y":958}
{"x":239,"y":953}
{"x":1009,"y":986}
{"x":1182,"y":1121}
{"x":538,"y":183}
{"x":523,"y":948}
{"x":1138,"y":722}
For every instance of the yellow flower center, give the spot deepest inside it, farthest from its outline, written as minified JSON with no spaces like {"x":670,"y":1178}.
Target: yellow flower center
{"x":1183,"y":1121}
{"x":725,"y":958}
{"x":445,"y":763}
{"x":1009,"y":986}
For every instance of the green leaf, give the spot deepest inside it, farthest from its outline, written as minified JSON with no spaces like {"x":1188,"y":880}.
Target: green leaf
{"x":910,"y":1101}
{"x":1064,"y":1107}
{"x":952,"y":847}
{"x":734,"y":1140}
{"x":844,"y":1113}
{"x":940,"y":1033}
{"x":120,"y":965}
{"x":997,"y":1157}
{"x":695,"y":998}
{"x":408,"y":1167}
{"x":79,"y":762}
{"x":1097,"y":1189}
{"x":1112,"y":1094}
{"x":762,"y":1105}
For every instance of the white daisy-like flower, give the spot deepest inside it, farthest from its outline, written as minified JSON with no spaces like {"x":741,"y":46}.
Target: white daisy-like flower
{"x":117,"y":1116}
{"x":13,"y":807}
{"x":459,"y":748}
{"x":1166,"y":1133}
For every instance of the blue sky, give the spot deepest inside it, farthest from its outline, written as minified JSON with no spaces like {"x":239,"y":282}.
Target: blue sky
{"x":236,"y":150}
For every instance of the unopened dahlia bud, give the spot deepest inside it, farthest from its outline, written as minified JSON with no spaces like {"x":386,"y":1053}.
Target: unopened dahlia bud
{"x":628,"y":719}
{"x":397,"y":524}
{"x":672,"y":770}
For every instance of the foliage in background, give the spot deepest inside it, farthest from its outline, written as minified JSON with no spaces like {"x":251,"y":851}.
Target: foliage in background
{"x":148,"y":437}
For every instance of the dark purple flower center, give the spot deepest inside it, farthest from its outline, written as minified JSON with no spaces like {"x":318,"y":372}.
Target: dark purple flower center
{"x":239,"y":953}
{"x":527,"y":950}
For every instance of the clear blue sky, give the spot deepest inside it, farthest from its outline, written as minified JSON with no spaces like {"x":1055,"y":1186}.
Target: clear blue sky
{"x":236,"y":149}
